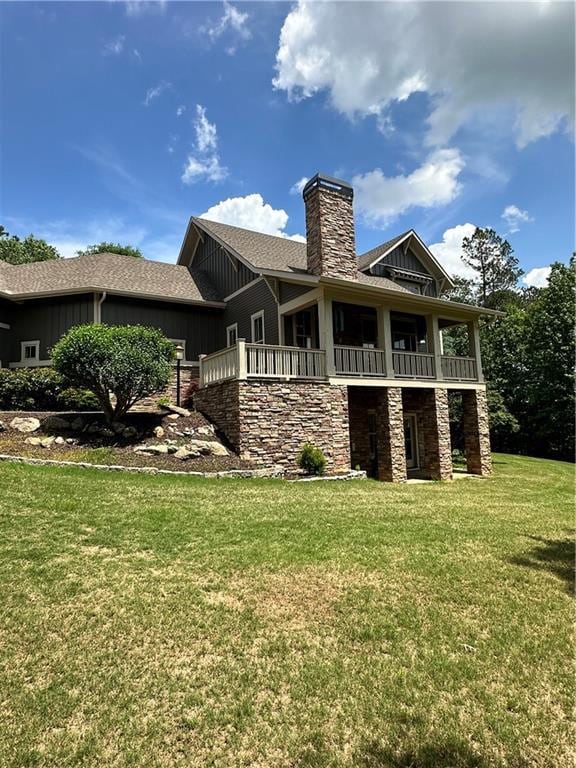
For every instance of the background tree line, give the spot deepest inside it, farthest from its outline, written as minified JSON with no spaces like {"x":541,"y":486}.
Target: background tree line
{"x":527,"y":355}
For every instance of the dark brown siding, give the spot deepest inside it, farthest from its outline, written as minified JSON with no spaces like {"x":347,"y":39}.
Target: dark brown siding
{"x":47,"y":320}
{"x":241,"y":307}
{"x":408,"y":260}
{"x":5,"y":334}
{"x":200,"y":327}
{"x":225,"y":273}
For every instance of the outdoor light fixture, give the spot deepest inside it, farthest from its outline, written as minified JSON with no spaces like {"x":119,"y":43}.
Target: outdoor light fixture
{"x":179,"y":349}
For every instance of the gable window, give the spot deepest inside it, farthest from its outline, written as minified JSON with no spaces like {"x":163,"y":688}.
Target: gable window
{"x":29,"y":352}
{"x":231,"y":334}
{"x":257,"y":324}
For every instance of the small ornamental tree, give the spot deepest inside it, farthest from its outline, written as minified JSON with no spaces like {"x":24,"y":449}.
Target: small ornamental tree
{"x":126,"y":362}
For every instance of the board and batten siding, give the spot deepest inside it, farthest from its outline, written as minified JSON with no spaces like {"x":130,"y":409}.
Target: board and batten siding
{"x":199,"y":327}
{"x":240,"y":309}
{"x":289,"y":291}
{"x":226,"y":273}
{"x":408,"y":260}
{"x":46,"y":320}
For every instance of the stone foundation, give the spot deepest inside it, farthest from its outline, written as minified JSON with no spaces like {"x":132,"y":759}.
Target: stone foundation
{"x":268,"y":421}
{"x":391,"y":447}
{"x":476,"y":432}
{"x":433,"y":423}
{"x":188,"y":373}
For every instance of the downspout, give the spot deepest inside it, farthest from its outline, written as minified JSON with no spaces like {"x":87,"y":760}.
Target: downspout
{"x":98,"y":308}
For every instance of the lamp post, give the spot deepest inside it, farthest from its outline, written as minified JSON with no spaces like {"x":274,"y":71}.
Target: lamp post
{"x":179,"y":357}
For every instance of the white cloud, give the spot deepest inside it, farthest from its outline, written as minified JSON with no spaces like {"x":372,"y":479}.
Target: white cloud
{"x":232,"y":19}
{"x":204,"y":161}
{"x":298,"y":186}
{"x":139,"y":7}
{"x":514,"y":217}
{"x":157,"y":90}
{"x":382,"y":198}
{"x":180,"y":110}
{"x":537,"y":277}
{"x":251,"y":212}
{"x":505,"y":59}
{"x":114,"y":47}
{"x":449,"y":251}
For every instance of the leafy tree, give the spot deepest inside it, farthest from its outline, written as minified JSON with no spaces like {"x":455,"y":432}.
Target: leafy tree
{"x":119,"y":364}
{"x":493,"y":260}
{"x":124,"y":250}
{"x":17,"y":251}
{"x":550,"y":353}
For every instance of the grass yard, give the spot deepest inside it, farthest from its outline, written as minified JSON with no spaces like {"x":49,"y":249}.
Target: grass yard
{"x":160,"y":621}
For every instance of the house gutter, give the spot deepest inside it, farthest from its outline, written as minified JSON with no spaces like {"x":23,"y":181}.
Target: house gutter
{"x":98,"y":307}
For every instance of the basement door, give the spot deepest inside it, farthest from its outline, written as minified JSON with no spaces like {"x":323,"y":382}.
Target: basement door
{"x":411,"y":440}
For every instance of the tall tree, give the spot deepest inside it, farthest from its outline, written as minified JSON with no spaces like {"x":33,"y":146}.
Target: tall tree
{"x":493,"y":260}
{"x":124,"y":250}
{"x":16,"y":251}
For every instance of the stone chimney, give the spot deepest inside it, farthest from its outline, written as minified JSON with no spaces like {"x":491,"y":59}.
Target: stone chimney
{"x":330,"y":241}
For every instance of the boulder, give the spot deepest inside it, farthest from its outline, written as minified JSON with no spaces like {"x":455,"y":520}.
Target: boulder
{"x":59,"y":440}
{"x":25,"y":424}
{"x":182,"y":453}
{"x":177,"y":409}
{"x":217,"y":449}
{"x":207,"y":448}
{"x":205,"y":430}
{"x":173,"y":416}
{"x":153,"y":450}
{"x":55,"y":423}
{"x":47,"y":442}
{"x":33,"y":440}
{"x":159,"y":432}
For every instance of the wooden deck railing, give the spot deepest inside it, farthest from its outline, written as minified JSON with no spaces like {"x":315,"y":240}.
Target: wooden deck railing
{"x":243,"y":361}
{"x":359,"y":361}
{"x":459,"y":368}
{"x":414,"y":365}
{"x":267,"y":360}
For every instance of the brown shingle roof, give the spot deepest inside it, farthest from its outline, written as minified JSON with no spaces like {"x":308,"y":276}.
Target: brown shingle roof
{"x":105,"y":272}
{"x":278,"y":253}
{"x":365,"y":259}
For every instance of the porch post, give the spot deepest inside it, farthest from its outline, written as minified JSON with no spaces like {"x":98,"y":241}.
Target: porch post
{"x":391,"y":445}
{"x":385,"y":339}
{"x":434,"y":343}
{"x":474,"y":346}
{"x":241,"y":366}
{"x":325,"y":332}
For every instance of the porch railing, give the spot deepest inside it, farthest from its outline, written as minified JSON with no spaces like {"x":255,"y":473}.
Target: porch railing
{"x":359,"y":361}
{"x":413,"y":365}
{"x":219,"y":366}
{"x":459,"y":368}
{"x":285,"y":362}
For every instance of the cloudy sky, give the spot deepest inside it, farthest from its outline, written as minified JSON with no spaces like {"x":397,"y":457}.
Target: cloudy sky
{"x":122,"y":119}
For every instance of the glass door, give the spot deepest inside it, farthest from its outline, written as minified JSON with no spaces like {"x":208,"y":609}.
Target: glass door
{"x":411,"y":441}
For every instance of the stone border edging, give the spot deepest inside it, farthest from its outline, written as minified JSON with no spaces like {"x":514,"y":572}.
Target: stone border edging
{"x":247,"y":474}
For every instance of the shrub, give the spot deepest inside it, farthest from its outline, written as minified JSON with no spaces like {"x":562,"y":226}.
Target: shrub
{"x":311,"y":460}
{"x":119,"y":364}
{"x":40,"y":389}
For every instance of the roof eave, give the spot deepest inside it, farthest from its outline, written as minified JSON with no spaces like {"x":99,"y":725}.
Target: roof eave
{"x":111,"y":292}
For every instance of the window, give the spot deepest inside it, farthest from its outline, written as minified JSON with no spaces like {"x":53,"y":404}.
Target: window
{"x":30,"y":351}
{"x":231,"y":335}
{"x":257,"y":322}
{"x":411,"y":286}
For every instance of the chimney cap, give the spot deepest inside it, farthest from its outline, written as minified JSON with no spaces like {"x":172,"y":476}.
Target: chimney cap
{"x":321,"y":180}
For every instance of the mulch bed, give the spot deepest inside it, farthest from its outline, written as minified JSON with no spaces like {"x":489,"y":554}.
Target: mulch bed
{"x":94,"y":448}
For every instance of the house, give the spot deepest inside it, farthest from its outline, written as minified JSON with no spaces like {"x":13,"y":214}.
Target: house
{"x":291,"y":342}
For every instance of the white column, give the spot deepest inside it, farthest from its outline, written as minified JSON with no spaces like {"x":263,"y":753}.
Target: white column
{"x":474,"y":346}
{"x":434,"y":343}
{"x":385,"y":339}
{"x":241,"y":366}
{"x":326,"y":334}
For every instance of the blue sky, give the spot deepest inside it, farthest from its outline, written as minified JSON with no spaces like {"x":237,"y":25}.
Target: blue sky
{"x":120,"y":120}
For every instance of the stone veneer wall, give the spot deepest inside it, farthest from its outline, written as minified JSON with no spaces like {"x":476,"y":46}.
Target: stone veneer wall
{"x":476,"y":432}
{"x":188,"y":373}
{"x":269,"y":421}
{"x":391,"y":447}
{"x":330,"y":239}
{"x":360,"y":402}
{"x":434,"y":445}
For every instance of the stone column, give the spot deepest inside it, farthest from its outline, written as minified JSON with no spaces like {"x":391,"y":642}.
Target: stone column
{"x":476,"y":432}
{"x":391,"y":447}
{"x":435,"y":424}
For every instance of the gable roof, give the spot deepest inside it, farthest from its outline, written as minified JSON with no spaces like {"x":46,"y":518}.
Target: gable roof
{"x":366,"y":259}
{"x":271,"y":253}
{"x":101,"y":272}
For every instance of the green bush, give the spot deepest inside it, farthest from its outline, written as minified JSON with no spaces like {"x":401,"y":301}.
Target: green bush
{"x":119,"y":364}
{"x":311,"y":460}
{"x":41,"y":389}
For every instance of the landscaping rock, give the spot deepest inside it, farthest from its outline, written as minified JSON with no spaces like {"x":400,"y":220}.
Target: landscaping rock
{"x":47,"y":442}
{"x":177,"y":409}
{"x":33,"y":440}
{"x":207,"y":448}
{"x":153,"y":450}
{"x":71,"y":441}
{"x":55,"y":423}
{"x":182,"y":453}
{"x":173,"y":416}
{"x":205,"y":430}
{"x":25,"y":424}
{"x":159,"y":432}
{"x":59,"y":440}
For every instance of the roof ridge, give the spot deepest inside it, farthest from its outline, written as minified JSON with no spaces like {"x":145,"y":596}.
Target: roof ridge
{"x":245,"y":229}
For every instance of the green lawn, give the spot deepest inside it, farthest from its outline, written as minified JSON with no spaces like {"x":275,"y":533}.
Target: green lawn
{"x":159,"y":621}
